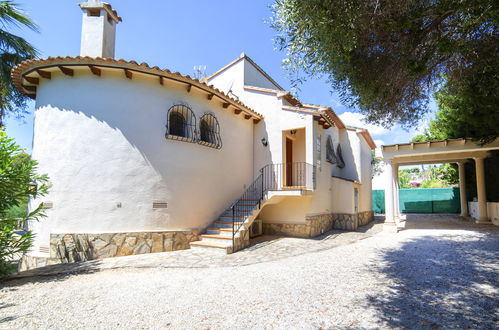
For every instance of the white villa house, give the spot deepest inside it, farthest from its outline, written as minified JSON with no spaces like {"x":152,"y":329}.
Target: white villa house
{"x":142,"y":159}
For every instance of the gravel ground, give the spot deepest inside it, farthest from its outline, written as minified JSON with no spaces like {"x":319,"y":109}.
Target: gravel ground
{"x":438,"y":272}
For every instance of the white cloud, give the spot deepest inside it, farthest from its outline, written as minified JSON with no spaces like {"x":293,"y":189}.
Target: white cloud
{"x":357,"y":120}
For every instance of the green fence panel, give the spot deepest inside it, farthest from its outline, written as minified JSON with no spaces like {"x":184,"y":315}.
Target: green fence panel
{"x":379,"y":201}
{"x":431,"y":200}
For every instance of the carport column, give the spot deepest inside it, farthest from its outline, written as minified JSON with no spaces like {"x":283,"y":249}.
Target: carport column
{"x":396,"y":202}
{"x":389,"y":184}
{"x":462,"y":189}
{"x":480,"y":189}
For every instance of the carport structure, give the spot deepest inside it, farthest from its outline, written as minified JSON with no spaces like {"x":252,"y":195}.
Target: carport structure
{"x":457,"y":151}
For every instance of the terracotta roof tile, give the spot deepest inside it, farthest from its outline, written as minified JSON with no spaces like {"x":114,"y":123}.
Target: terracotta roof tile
{"x":30,"y":65}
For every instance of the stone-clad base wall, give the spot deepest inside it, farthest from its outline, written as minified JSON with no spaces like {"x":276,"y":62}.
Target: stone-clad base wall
{"x":320,"y":223}
{"x":365,"y":217}
{"x":82,"y":247}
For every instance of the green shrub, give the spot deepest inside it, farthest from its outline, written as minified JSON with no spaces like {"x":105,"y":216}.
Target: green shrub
{"x":18,"y":183}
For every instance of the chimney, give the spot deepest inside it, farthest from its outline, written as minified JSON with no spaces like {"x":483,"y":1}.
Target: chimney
{"x":98,"y":31}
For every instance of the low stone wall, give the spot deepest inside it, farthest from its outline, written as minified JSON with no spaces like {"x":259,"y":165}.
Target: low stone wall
{"x":82,"y":247}
{"x":319,"y":223}
{"x":345,"y":221}
{"x":365,"y":217}
{"x":28,"y":262}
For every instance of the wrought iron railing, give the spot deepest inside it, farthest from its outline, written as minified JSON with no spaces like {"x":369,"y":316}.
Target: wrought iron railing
{"x":272,"y":177}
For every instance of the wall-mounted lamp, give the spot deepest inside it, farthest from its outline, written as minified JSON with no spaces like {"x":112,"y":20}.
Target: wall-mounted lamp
{"x":265,"y":142}
{"x":293,"y":132}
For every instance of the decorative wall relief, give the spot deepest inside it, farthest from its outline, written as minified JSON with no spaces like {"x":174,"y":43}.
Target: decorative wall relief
{"x":339,"y":157}
{"x":330,"y":155}
{"x":334,"y":157}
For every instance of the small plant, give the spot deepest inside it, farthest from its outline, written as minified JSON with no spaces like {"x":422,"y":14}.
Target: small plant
{"x":18,"y":183}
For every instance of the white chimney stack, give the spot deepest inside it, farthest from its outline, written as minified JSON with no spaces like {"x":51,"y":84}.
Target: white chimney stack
{"x":98,"y":32}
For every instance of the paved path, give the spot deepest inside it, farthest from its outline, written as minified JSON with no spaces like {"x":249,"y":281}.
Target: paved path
{"x":262,"y":249}
{"x":440,"y":272}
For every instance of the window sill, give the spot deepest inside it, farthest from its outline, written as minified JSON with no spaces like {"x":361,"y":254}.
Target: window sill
{"x":180,"y":138}
{"x":209,"y":144}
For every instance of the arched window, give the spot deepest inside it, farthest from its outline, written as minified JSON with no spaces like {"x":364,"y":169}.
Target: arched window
{"x":181,"y":123}
{"x":210,"y":131}
{"x":177,"y":124}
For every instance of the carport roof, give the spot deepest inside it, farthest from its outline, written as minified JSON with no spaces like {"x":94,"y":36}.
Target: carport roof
{"x":437,"y":151}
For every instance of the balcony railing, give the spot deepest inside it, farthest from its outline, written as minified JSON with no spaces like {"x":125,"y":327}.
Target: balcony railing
{"x":288,"y":176}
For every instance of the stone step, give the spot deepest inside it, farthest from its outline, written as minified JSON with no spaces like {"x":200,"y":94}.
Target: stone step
{"x":221,"y":224}
{"x":219,"y":231}
{"x":228,"y":218}
{"x":222,"y":242}
{"x":214,"y":236}
{"x":208,"y":245}
{"x":236,"y":215}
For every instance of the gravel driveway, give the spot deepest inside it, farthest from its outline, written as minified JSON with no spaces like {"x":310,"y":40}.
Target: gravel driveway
{"x":438,"y":272}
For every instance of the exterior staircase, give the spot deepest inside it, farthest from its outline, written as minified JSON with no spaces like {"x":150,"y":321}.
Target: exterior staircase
{"x":221,"y":234}
{"x":230,"y":232}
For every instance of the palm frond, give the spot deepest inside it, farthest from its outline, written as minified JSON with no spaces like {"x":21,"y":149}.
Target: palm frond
{"x":11,"y":14}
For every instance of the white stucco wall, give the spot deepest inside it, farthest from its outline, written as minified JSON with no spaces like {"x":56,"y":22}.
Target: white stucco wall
{"x":253,"y":77}
{"x":331,"y":195}
{"x":290,"y":210}
{"x":231,"y":79}
{"x":101,"y":141}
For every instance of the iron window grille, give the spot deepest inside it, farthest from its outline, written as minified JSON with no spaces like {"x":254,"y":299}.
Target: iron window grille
{"x":181,"y":124}
{"x":209,"y":130}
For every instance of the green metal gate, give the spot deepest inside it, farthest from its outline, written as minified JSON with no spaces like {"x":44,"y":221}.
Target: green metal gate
{"x":418,"y":200}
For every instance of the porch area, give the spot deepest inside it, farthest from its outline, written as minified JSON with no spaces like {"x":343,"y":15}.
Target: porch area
{"x":459,"y":151}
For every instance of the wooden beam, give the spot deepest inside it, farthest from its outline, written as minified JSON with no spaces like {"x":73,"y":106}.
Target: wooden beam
{"x":247,"y":116}
{"x":237,"y":111}
{"x":161,"y":80}
{"x":256,"y":121}
{"x":128,"y":73}
{"x":44,"y":74}
{"x":30,"y":88}
{"x":66,"y":71}
{"x":95,"y":70}
{"x":225,"y":105}
{"x":189,"y":86}
{"x":326,"y":126}
{"x":210,"y":96}
{"x":32,"y":80}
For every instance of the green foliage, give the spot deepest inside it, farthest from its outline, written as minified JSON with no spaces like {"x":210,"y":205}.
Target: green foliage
{"x":387,"y":57}
{"x":442,"y":176}
{"x":404,"y":179}
{"x":376,"y":165}
{"x":17,"y":175}
{"x":13,"y":50}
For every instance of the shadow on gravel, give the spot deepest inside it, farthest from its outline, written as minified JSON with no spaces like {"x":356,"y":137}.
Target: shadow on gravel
{"x":441,"y":282}
{"x":51,"y":273}
{"x":445,"y":221}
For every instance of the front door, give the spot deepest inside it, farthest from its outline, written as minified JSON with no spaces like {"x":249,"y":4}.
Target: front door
{"x":289,"y":162}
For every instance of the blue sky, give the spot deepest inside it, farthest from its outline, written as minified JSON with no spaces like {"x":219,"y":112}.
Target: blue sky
{"x":178,"y":35}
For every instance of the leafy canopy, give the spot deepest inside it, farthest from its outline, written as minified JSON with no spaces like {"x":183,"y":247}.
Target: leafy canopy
{"x":387,"y":57}
{"x":13,"y":50}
